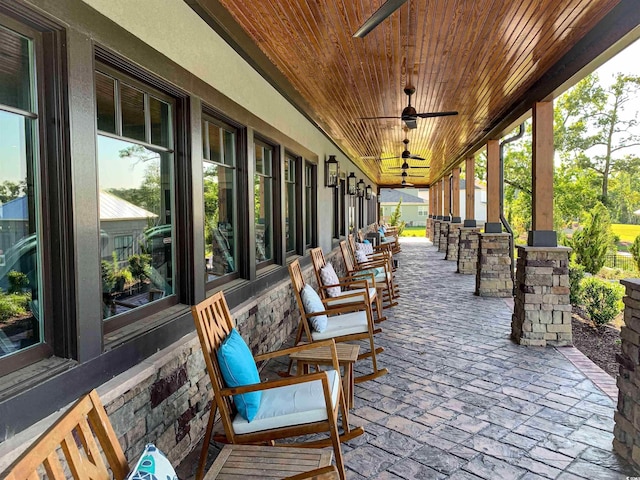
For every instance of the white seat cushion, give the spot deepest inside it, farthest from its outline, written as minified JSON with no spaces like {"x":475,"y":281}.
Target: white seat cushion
{"x":345,"y":324}
{"x":290,"y":405}
{"x":383,"y":277}
{"x":335,"y":301}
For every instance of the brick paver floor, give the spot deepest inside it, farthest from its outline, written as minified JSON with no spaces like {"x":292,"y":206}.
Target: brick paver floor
{"x":463,"y":402}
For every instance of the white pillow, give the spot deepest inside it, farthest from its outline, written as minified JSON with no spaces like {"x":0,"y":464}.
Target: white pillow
{"x":329,"y":277}
{"x":366,"y":247}
{"x":361,"y":257}
{"x":312,"y":304}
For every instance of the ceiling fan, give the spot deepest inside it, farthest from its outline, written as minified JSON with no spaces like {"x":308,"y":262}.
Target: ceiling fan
{"x":409,"y":115}
{"x":405,"y":154}
{"x":380,"y":15}
{"x":405,"y":165}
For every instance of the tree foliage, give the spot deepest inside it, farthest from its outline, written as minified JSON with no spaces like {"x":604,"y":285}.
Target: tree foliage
{"x":635,"y":251}
{"x":395,"y":220}
{"x":592,"y":243}
{"x":602,"y":299}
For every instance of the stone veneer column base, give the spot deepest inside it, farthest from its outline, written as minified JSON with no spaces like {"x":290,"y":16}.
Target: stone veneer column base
{"x":468,"y":250}
{"x":493,"y":277}
{"x":453,"y":241}
{"x":444,"y":236}
{"x":627,"y":418}
{"x":429,"y":229}
{"x":436,"y":232}
{"x":542,"y":310}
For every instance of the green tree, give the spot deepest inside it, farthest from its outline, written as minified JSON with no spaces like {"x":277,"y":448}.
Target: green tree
{"x":635,"y":251}
{"x":395,"y":220}
{"x":11,"y":190}
{"x":590,"y":129}
{"x":592,"y":243}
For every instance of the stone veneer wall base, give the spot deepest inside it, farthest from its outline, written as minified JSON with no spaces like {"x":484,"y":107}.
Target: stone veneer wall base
{"x":626,"y":431}
{"x":453,"y":241}
{"x":542,"y":310}
{"x":436,"y":233}
{"x":493,"y":278}
{"x":468,"y":250}
{"x":444,"y":236}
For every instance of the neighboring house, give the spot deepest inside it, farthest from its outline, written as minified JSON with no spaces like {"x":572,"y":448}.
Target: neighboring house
{"x":414,"y":209}
{"x":481,"y":201}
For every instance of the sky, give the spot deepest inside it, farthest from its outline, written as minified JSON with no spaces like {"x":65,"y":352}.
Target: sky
{"x":626,"y":62}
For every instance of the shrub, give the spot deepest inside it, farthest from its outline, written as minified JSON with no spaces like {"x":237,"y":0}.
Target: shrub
{"x":592,"y":243}
{"x":576,"y":274}
{"x":396,"y":220}
{"x":13,"y":305}
{"x":635,"y":251}
{"x":18,"y":281}
{"x":602,"y":299}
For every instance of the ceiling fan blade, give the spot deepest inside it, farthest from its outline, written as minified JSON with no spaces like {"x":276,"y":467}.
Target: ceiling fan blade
{"x":436,"y":114}
{"x":386,"y":9}
{"x":416,"y":157}
{"x":411,"y":123}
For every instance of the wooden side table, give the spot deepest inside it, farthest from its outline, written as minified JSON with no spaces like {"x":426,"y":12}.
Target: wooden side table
{"x":253,"y":462}
{"x":347,"y":356}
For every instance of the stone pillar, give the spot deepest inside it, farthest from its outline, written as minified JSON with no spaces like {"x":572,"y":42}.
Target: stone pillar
{"x":542,"y":310}
{"x":436,"y":232}
{"x":493,"y":278}
{"x":627,"y":419}
{"x":453,"y":240}
{"x":429,"y":229}
{"x":444,"y":236}
{"x":468,"y":250}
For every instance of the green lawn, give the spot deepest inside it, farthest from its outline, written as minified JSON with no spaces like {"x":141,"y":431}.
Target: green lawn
{"x":414,"y":232}
{"x":627,"y":233}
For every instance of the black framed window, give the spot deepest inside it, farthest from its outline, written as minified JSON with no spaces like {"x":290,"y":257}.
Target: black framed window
{"x":290,"y":204}
{"x":220,"y":204}
{"x":342,"y":195}
{"x":22,"y":321}
{"x":335,"y":195}
{"x":263,"y":186}
{"x":310,"y":195}
{"x":136,"y":181}
{"x":360,"y":212}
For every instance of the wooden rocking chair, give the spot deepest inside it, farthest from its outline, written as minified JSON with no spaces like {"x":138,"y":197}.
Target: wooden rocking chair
{"x":74,"y":436}
{"x":352,"y":288}
{"x":383,"y":279}
{"x":347,"y":323}
{"x":213,"y":323}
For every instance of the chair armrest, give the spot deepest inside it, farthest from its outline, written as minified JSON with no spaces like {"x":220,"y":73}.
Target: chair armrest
{"x":314,"y":473}
{"x":298,"y":348}
{"x":349,"y":283}
{"x":345,"y":308}
{"x":269,"y":384}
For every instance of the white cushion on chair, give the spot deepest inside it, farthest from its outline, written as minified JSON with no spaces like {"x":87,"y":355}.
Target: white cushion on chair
{"x":329,"y":277}
{"x":361,"y":257}
{"x":383,"y":277}
{"x":290,"y":405}
{"x":335,"y":301}
{"x":345,"y":324}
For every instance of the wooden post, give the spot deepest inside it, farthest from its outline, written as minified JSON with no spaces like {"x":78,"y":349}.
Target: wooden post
{"x":455,"y":195}
{"x":446,"y":185}
{"x":542,"y":233}
{"x":493,"y":224}
{"x":470,"y":192}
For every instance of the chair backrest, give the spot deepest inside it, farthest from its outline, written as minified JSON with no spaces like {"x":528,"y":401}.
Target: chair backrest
{"x":347,"y":256}
{"x":213,"y":323}
{"x":318,"y":261}
{"x":297,"y":282}
{"x":352,"y":245}
{"x":79,"y":435}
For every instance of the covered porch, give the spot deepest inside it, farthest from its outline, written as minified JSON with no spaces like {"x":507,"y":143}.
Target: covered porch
{"x":463,"y":401}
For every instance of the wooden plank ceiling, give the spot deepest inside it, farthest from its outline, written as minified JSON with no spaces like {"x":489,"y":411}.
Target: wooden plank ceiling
{"x":475,"y":57}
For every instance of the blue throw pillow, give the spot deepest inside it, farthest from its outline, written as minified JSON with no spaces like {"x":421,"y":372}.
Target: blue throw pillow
{"x":238,"y":369}
{"x":366,"y":241}
{"x":312,"y":304}
{"x":152,"y":465}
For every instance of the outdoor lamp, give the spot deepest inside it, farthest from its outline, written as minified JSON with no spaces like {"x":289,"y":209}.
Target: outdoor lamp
{"x":331,"y":171}
{"x":368,"y":191}
{"x":351,"y":184}
{"x":361,"y":188}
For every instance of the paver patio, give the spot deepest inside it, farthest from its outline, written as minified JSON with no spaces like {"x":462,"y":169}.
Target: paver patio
{"x":463,"y":402}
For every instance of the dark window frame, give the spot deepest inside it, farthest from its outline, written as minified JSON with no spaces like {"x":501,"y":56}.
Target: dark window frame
{"x":182,"y":214}
{"x":311,"y":195}
{"x":275,"y":203}
{"x":297,"y":202}
{"x":53,"y":176}
{"x":342,"y":206}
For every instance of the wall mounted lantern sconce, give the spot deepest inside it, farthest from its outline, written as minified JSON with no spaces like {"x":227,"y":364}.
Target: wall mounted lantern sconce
{"x":367,"y":192}
{"x":331,"y":171}
{"x":351,"y":184}
{"x":361,"y":188}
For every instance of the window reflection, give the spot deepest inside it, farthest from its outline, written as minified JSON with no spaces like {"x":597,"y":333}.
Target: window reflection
{"x":136,"y":241}
{"x":263,"y":198}
{"x":290,"y":204}
{"x":219,"y":201}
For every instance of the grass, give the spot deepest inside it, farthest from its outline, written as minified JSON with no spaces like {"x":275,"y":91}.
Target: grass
{"x":414,"y":232}
{"x":627,"y":233}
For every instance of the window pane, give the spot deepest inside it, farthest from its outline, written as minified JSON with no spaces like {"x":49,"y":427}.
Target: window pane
{"x":132,"y":104}
{"x":219,"y":220}
{"x":161,"y":128}
{"x":20,"y":283}
{"x":264,"y":218}
{"x":229,"y":148}
{"x":290,"y":205}
{"x":215,"y":155}
{"x":16,"y":71}
{"x":135,"y":200}
{"x":106,"y":102}
{"x":308,"y":199}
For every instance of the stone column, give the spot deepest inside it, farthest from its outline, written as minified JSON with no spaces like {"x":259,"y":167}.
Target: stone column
{"x":453,"y":240}
{"x":468,"y":250}
{"x":542,"y":310}
{"x":436,"y":232}
{"x":627,"y":419}
{"x":444,"y":236}
{"x":429,"y":229}
{"x":493,"y":278}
